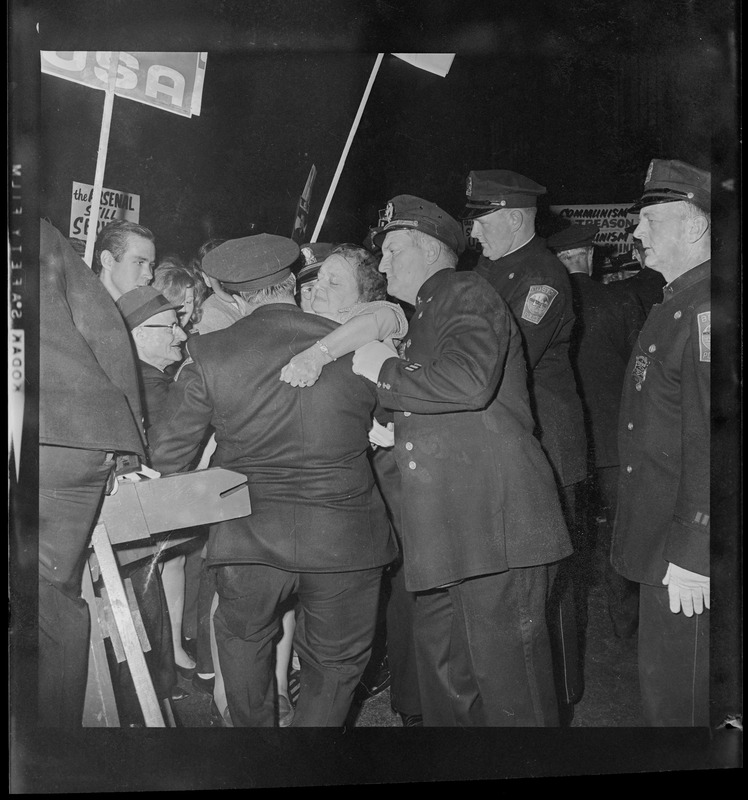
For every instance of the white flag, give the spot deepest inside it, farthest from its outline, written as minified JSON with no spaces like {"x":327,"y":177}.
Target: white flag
{"x":438,"y":63}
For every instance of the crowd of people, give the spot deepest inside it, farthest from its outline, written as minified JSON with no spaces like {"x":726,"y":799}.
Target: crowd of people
{"x":433,"y":452}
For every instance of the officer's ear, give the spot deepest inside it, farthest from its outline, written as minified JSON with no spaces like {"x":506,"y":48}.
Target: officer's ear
{"x":516,"y":218}
{"x":432,"y":249}
{"x":697,"y":227}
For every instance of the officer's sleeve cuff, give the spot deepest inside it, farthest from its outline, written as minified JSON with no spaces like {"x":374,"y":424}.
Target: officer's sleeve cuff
{"x":688,"y":544}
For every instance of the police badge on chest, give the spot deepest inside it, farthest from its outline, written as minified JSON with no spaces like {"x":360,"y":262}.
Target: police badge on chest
{"x":640,"y":370}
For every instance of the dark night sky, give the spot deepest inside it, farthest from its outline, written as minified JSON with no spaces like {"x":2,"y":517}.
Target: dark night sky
{"x":539,"y":88}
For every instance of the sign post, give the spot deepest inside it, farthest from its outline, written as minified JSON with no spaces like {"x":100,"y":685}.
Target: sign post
{"x":106,"y":124}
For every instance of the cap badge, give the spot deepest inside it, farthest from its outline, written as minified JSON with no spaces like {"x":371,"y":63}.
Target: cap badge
{"x":387,"y":213}
{"x":469,"y":187}
{"x":308,"y":255}
{"x":649,"y":172}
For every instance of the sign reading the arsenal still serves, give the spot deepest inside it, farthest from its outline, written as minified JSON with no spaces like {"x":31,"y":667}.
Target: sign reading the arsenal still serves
{"x":114,"y":205}
{"x":169,"y":81}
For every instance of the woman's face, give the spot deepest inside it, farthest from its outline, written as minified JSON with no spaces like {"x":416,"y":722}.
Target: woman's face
{"x":335,"y":288}
{"x":188,"y":306}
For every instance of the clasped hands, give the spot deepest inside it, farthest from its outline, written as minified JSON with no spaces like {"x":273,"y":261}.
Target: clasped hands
{"x":305,"y":368}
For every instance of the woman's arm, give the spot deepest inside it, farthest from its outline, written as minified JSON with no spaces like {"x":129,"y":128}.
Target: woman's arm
{"x":376,"y":325}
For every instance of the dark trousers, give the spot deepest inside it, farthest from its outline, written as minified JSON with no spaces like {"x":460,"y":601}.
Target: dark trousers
{"x":483,"y":650}
{"x":333,"y":640}
{"x":401,"y":645}
{"x":205,"y":591}
{"x":149,"y":594}
{"x":71,"y":487}
{"x":622,"y":594}
{"x":192,"y":567}
{"x":567,"y":601}
{"x":673,"y":662}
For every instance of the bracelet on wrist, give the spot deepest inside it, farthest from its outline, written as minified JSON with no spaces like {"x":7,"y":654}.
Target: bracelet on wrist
{"x":326,"y":351}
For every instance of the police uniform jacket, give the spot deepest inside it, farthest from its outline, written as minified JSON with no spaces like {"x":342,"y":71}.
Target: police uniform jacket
{"x":663,"y":496}
{"x":478,"y":495}
{"x":546,"y":334}
{"x":602,"y":339}
{"x":315,"y":507}
{"x":88,"y":392}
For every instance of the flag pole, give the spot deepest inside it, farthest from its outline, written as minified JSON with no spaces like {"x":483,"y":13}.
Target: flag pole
{"x":106,"y":124}
{"x":347,"y":147}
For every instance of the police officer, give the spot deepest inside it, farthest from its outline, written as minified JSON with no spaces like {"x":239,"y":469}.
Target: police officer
{"x":602,"y":338}
{"x":480,"y":518}
{"x":661,"y":534}
{"x":318,"y":526}
{"x":502,"y":206}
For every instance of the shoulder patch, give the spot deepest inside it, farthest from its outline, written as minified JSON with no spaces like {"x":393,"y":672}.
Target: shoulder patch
{"x":705,"y":335}
{"x":538,"y":301}
{"x":187,"y":361}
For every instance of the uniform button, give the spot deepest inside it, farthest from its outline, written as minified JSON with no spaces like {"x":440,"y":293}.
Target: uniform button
{"x":406,"y":413}
{"x":638,"y":387}
{"x":412,"y":464}
{"x":652,"y":348}
{"x":630,"y":426}
{"x":677,"y":315}
{"x":407,"y":344}
{"x":420,"y":314}
{"x":408,"y":445}
{"x":629,"y":468}
{"x":511,"y":274}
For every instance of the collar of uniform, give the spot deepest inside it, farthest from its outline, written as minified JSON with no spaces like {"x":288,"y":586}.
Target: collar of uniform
{"x":273,"y":307}
{"x":430,"y":284}
{"x":518,"y":252}
{"x":146,"y":367}
{"x":687,"y":279}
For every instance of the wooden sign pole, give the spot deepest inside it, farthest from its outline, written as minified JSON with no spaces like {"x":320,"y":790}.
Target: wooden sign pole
{"x":347,"y":147}
{"x":106,"y":124}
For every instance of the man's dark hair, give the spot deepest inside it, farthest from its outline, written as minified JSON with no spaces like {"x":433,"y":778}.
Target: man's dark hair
{"x":372,"y":285}
{"x":113,"y":237}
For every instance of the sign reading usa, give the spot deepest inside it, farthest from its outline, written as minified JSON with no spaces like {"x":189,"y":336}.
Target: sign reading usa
{"x":169,"y":81}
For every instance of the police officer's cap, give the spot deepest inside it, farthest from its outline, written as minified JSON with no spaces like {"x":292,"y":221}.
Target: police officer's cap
{"x":142,"y":303}
{"x":251,"y":263}
{"x":490,"y":190}
{"x":572,"y":237}
{"x":669,"y":181}
{"x":310,"y":260}
{"x":406,"y":212}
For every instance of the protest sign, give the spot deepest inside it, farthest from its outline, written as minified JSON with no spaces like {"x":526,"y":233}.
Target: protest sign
{"x":114,"y":204}
{"x":169,"y":81}
{"x":302,"y":208}
{"x":612,"y":220}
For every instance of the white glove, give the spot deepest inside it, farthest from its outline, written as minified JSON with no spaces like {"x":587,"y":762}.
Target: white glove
{"x":687,"y":590}
{"x":368,"y":359}
{"x":380,"y":436}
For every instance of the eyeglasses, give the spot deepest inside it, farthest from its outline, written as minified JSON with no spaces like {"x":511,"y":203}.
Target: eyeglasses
{"x":175,"y":326}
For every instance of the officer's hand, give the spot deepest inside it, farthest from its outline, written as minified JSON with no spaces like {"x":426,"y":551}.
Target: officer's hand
{"x":304,"y":368}
{"x":380,"y":436}
{"x":368,"y":360}
{"x":687,"y":590}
